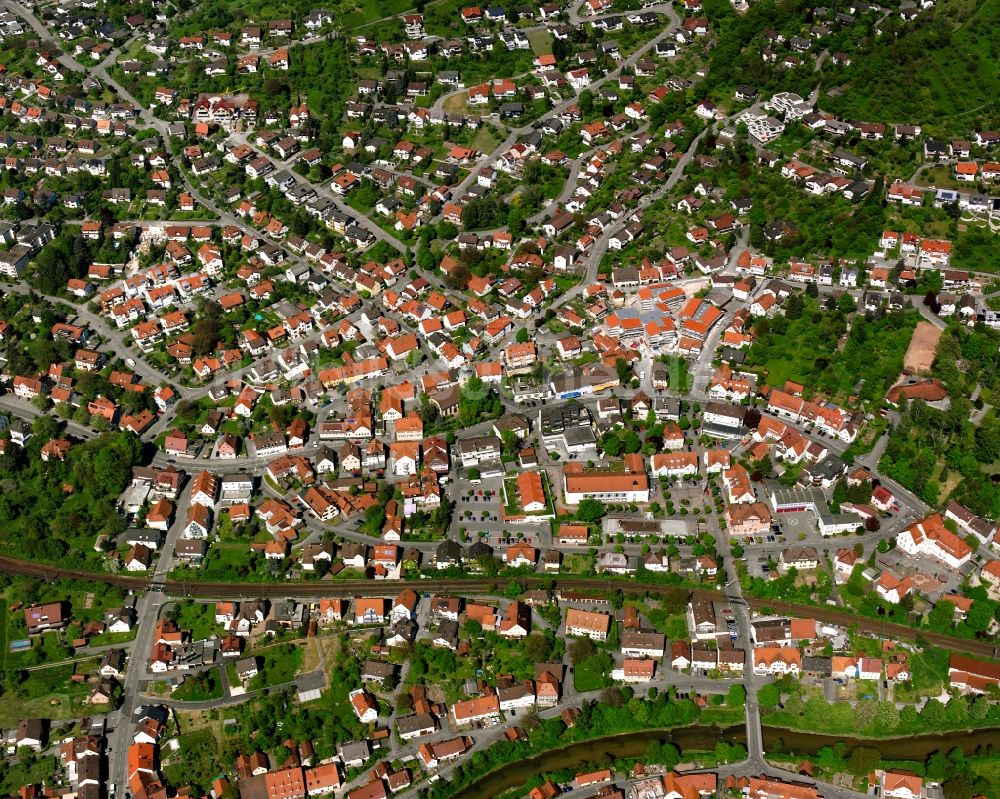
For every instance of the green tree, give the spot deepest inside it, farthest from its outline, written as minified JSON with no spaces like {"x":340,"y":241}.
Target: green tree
{"x":864,"y":714}
{"x":863,"y":760}
{"x":768,"y":696}
{"x":980,"y":616}
{"x":942,"y":616}
{"x":580,"y":649}
{"x":817,"y":709}
{"x":590,"y":511}
{"x":794,"y":704}
{"x":887,"y":716}
{"x":832,"y":758}
{"x":937,"y":768}
{"x":980,"y":708}
{"x":624,"y":369}
{"x":45,"y":428}
{"x":737,"y":695}
{"x":933,"y":713}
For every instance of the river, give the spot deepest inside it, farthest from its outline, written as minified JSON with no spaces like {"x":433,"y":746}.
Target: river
{"x":630,"y":744}
{"x":915,"y":747}
{"x":697,"y":738}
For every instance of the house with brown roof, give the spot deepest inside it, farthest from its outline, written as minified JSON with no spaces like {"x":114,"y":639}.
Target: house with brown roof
{"x":50,"y":616}
{"x":588,"y":624}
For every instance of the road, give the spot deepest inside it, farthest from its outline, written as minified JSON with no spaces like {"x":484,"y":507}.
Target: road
{"x":516,"y":133}
{"x":156,"y":588}
{"x":147,"y":612}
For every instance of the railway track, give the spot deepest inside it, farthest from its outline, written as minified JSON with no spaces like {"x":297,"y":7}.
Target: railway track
{"x":490,"y":585}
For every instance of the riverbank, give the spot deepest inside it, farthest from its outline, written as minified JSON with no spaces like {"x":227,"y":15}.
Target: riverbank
{"x":897,"y":747}
{"x":882,"y":721}
{"x":621,"y":746}
{"x":704,"y":738}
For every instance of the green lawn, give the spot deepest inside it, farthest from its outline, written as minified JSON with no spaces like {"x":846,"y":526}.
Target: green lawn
{"x":677,"y":369}
{"x":721,"y":716}
{"x":486,"y":140}
{"x":592,"y":673}
{"x":512,"y":507}
{"x":577,"y":563}
{"x":367,"y":11}
{"x":198,"y":617}
{"x":277,"y":664}
{"x":929,"y":670}
{"x":541,"y":42}
{"x":672,"y":625}
{"x":231,"y":673}
{"x":46,"y":648}
{"x":51,"y":680}
{"x":987,"y":767}
{"x":226,"y":561}
{"x":200,"y":687}
{"x":114,"y":638}
{"x":48,"y":693}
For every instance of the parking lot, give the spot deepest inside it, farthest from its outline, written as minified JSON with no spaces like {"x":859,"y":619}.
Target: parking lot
{"x":795,"y":524}
{"x":931,"y":578}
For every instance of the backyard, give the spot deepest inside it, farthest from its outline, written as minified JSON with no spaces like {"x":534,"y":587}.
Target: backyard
{"x":48,"y":692}
{"x":277,"y":664}
{"x":195,"y":762}
{"x":200,"y":687}
{"x":198,"y":617}
{"x":593,"y":672}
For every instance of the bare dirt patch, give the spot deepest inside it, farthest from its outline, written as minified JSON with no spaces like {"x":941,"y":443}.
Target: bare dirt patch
{"x":920,"y":354}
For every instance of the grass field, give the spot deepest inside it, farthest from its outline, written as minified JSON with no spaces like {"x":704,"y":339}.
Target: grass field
{"x":486,"y":140}
{"x":541,"y":42}
{"x":114,"y":638}
{"x":456,"y":103}
{"x":930,"y":670}
{"x":46,"y":648}
{"x":988,"y":768}
{"x":200,"y":687}
{"x":198,"y":617}
{"x":48,"y":693}
{"x":277,"y":664}
{"x":368,"y":11}
{"x":577,"y":563}
{"x":677,"y":368}
{"x":589,"y":674}
{"x":940,"y":177}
